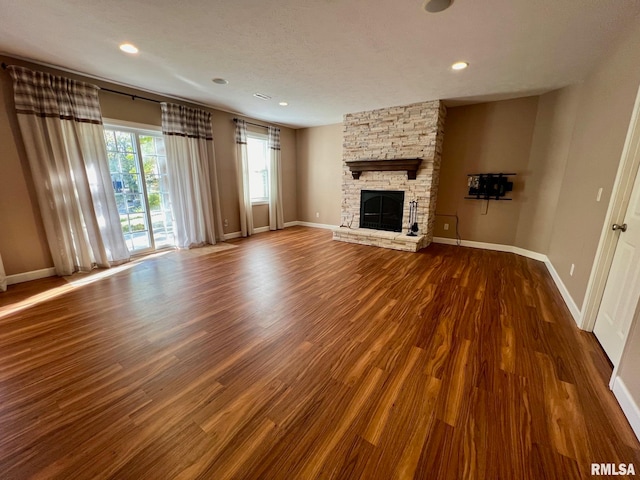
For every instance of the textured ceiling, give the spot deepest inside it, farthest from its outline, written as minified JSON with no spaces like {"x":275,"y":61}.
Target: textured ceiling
{"x":325,"y":57}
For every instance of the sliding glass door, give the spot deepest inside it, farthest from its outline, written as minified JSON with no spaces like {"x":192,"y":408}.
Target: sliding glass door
{"x":138,"y":166}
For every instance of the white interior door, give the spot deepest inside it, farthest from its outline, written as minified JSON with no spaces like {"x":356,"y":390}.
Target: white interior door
{"x":3,"y":277}
{"x":622,"y":291}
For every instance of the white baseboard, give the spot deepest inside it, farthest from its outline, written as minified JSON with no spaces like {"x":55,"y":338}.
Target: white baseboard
{"x":627,"y":403}
{"x":568,"y":300}
{"x":232,"y":235}
{"x":492,"y":246}
{"x":447,"y":241}
{"x":317,"y":225}
{"x":530,"y":254}
{"x":566,"y":296}
{"x":28,"y":276}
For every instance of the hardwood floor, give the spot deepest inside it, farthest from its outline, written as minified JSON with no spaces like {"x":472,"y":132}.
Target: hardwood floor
{"x":296,"y":357}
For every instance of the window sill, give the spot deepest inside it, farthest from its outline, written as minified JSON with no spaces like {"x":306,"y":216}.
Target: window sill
{"x":259,"y":202}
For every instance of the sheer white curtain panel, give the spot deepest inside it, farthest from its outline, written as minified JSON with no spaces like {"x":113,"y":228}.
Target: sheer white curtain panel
{"x":276,"y":216}
{"x":61,"y":126}
{"x":242,"y":174}
{"x":192,"y":176}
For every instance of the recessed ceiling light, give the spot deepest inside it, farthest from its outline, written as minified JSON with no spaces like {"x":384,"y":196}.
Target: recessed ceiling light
{"x":220,"y":81}
{"x":459,"y":65}
{"x":283,"y":104}
{"x":262,"y":96}
{"x":128,"y":48}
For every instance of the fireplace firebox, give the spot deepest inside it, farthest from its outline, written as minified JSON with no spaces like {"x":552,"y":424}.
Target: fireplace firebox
{"x":381,"y":210}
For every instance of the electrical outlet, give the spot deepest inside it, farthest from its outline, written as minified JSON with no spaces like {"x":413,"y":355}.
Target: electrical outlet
{"x":599,"y":196}
{"x":446,"y":226}
{"x":572,"y":269}
{"x":317,"y":214}
{"x":226,"y":222}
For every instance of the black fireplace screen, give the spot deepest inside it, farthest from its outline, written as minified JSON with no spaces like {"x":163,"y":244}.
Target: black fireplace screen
{"x":381,"y":210}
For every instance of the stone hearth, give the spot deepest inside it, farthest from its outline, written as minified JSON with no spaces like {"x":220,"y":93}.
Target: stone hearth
{"x":379,"y":238}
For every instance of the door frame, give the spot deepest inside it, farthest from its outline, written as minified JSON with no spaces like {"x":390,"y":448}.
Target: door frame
{"x":618,"y":204}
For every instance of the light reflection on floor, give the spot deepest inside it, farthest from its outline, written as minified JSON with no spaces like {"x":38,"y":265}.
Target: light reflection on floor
{"x":74,"y":282}
{"x":265,"y":291}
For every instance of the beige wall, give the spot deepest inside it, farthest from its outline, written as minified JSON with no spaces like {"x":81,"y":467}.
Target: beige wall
{"x":261,"y":215}
{"x":119,"y":107}
{"x":289,"y":174}
{"x":604,"y":106}
{"x":542,"y":181}
{"x":22,"y":240}
{"x":606,"y":100}
{"x":605,"y":103}
{"x":319,"y":156}
{"x":485,"y":138}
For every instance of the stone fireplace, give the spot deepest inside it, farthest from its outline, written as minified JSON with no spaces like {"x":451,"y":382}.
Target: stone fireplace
{"x":395,"y":149}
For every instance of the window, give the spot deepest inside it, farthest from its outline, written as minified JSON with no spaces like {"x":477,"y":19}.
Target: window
{"x":138,"y":166}
{"x":258,"y":155}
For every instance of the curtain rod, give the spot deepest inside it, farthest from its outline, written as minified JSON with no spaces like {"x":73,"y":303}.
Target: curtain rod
{"x":250,"y":123}
{"x":133,"y":96}
{"x":110,"y":90}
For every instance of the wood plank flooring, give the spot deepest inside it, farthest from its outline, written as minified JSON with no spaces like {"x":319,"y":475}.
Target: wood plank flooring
{"x":296,"y":357}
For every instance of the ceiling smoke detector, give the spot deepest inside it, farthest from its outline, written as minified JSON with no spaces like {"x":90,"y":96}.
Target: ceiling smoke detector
{"x":435,"y":6}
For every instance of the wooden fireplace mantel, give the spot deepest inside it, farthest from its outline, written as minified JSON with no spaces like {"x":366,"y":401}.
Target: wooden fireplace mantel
{"x":410,"y":165}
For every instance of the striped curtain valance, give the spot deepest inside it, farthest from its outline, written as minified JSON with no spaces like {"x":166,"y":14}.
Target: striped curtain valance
{"x":274,"y":138}
{"x":45,"y":95}
{"x":241,"y":131}
{"x":183,"y":121}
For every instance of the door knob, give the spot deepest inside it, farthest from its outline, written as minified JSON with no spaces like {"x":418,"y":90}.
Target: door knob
{"x":622,"y":228}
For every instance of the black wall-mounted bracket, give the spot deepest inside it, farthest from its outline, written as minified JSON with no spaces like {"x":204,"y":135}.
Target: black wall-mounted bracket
{"x":489,"y":186}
